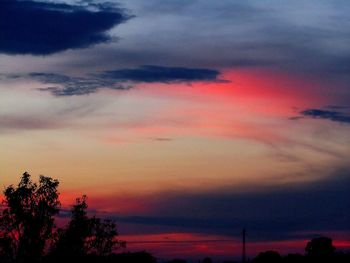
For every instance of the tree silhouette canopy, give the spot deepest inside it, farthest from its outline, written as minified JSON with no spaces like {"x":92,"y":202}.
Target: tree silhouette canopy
{"x":268,"y":256}
{"x":27,"y":225}
{"x":27,"y":221}
{"x":321,"y":247}
{"x":28,"y":232}
{"x":85,"y":235}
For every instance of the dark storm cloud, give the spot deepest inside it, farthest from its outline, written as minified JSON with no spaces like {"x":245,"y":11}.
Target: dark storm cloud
{"x":151,"y":73}
{"x":63,"y":85}
{"x":41,"y":28}
{"x":332,"y":115}
{"x":276,"y":214}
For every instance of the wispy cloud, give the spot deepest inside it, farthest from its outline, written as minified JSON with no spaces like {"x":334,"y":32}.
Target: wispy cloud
{"x":67,"y":86}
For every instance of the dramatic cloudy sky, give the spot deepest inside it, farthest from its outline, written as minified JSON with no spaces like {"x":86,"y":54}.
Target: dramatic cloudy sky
{"x":184,"y":120}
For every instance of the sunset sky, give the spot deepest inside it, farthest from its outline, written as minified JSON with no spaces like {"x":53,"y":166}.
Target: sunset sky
{"x":184,"y":120}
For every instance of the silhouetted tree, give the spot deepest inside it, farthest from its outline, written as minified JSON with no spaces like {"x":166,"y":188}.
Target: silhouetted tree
{"x":294,"y":258}
{"x":342,"y":257}
{"x":103,"y":239}
{"x":207,"y":260}
{"x":6,"y":249}
{"x":268,"y":257}
{"x":320,"y":248}
{"x":71,"y":241}
{"x":176,"y":260}
{"x":140,"y":257}
{"x":85,"y":235}
{"x":27,"y":220}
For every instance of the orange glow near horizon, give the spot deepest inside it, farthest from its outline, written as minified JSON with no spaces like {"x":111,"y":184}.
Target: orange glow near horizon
{"x":183,"y":122}
{"x":244,"y":118}
{"x":140,"y":146}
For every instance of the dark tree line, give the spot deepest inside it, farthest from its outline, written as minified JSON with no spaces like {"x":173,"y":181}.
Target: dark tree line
{"x":28,"y":232}
{"x":317,"y":250}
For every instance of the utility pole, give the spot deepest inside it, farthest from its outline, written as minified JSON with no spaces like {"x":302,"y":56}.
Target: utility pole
{"x":244,"y":232}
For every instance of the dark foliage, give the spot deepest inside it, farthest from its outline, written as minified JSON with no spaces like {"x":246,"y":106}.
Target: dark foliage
{"x":85,"y":235}
{"x":268,"y":256}
{"x":28,"y":233}
{"x":177,"y":260}
{"x":318,"y":250}
{"x":291,"y":258}
{"x":207,"y":260}
{"x":142,"y":256}
{"x":27,"y":222}
{"x":321,"y":247}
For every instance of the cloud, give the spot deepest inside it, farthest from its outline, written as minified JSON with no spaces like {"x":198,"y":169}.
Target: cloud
{"x":161,"y":139}
{"x":269,"y":215}
{"x":10,"y":123}
{"x":151,"y":74}
{"x":213,"y":34}
{"x":237,"y":34}
{"x":69,"y":86}
{"x":41,"y":28}
{"x":65,"y":85}
{"x":332,"y":115}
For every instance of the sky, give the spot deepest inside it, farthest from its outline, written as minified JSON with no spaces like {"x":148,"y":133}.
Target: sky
{"x":184,"y":120}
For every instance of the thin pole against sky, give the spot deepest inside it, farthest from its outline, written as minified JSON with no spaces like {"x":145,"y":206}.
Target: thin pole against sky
{"x":244,"y":232}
